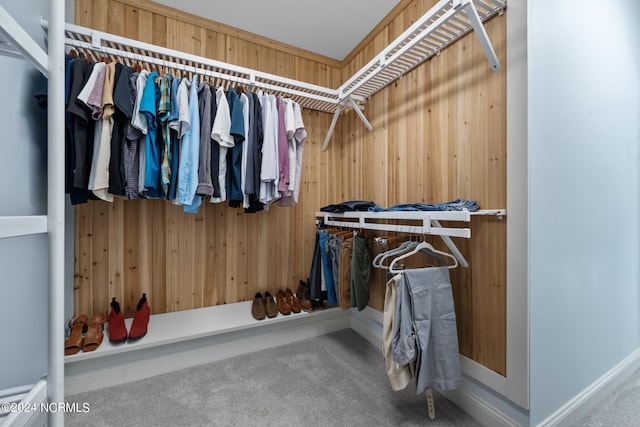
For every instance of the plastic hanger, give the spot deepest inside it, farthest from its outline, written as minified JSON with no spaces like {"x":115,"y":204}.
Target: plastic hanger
{"x":418,"y":248}
{"x":379,"y":259}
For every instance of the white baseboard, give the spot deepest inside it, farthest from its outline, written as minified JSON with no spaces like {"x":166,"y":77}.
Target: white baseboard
{"x":115,"y":369}
{"x":571,"y":412}
{"x":479,"y":409}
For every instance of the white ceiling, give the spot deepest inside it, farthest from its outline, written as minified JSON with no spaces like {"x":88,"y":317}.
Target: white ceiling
{"x":331,"y":28}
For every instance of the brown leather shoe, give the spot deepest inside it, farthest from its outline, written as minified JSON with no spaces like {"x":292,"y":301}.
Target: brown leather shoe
{"x":302,"y":295}
{"x":292,"y":300}
{"x":257,"y":308}
{"x":270,"y":305}
{"x":283,"y":304}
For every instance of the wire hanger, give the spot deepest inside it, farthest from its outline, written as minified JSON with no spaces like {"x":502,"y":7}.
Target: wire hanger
{"x":418,"y":248}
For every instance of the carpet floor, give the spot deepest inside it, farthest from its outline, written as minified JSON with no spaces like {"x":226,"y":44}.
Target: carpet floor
{"x":333,"y":380}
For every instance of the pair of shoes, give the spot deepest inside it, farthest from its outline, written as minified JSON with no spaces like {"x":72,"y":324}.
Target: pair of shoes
{"x":287,"y":302}
{"x":86,"y":334}
{"x":117,"y":329}
{"x":303,"y":296}
{"x":263,"y":306}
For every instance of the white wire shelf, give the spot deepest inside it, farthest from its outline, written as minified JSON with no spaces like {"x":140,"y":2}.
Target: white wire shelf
{"x":413,"y":222}
{"x":442,"y":25}
{"x":16,"y":42}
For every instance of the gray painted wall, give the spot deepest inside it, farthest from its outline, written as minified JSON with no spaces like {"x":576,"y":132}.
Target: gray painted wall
{"x":584,"y":194}
{"x":23,"y":260}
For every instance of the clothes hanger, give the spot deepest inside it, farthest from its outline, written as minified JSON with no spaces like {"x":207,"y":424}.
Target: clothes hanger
{"x":418,"y":248}
{"x":378,"y":261}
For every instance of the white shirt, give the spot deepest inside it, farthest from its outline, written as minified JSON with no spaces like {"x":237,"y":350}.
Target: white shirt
{"x":139,"y":120}
{"x":221,"y":133}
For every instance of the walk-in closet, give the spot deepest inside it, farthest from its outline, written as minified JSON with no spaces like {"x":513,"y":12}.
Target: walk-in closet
{"x":418,"y":142}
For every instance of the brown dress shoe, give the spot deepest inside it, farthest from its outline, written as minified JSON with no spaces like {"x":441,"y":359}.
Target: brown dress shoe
{"x":302,"y":295}
{"x":283,"y":304}
{"x":270,"y":305}
{"x":292,"y":300}
{"x":257,"y":308}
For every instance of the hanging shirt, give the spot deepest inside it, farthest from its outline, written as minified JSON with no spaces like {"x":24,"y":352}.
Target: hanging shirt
{"x":175,"y":149}
{"x":99,"y":177}
{"x":83,"y":129}
{"x":254,"y":157}
{"x":189,"y":156}
{"x":182,"y":125}
{"x":123,"y":107}
{"x":221,"y":133}
{"x":132,"y":136}
{"x":290,"y":126}
{"x":283,"y":149}
{"x":205,"y":186}
{"x":148,"y":106}
{"x":164,"y":111}
{"x":139,"y":121}
{"x":215,"y":148}
{"x":91,"y":94}
{"x":299,"y":136}
{"x":244,"y":100}
{"x":234,"y":155}
{"x":74,"y":195}
{"x":269,"y":166}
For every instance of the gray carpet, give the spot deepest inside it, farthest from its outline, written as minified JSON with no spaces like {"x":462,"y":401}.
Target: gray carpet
{"x":621,"y":408}
{"x":333,"y":380}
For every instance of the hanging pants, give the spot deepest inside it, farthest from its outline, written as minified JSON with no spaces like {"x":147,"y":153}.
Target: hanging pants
{"x":360,"y":273}
{"x":425,"y":328}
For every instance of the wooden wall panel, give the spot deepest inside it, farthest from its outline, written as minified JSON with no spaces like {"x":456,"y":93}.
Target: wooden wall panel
{"x":221,"y":255}
{"x":439,"y":134}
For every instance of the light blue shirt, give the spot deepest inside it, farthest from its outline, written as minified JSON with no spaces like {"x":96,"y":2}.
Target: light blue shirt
{"x":189,"y":156}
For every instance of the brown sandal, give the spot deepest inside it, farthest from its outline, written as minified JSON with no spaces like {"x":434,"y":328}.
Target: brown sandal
{"x":95,"y":332}
{"x":73,"y":344}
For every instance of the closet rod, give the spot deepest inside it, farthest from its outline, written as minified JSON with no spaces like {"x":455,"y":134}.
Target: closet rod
{"x":430,"y":223}
{"x":319,"y":97}
{"x":115,"y":53}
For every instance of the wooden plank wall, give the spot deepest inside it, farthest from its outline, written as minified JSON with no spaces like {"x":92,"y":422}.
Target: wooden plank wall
{"x":220,"y":255}
{"x":439,"y":134}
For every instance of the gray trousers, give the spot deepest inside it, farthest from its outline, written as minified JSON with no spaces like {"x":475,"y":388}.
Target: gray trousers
{"x":425,"y":328}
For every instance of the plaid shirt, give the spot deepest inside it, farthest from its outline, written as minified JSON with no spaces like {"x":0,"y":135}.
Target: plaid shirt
{"x":164,"y":110}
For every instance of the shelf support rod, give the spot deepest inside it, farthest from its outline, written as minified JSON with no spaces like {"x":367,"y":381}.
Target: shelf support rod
{"x":11,"y":31}
{"x":332,"y":127}
{"x":483,"y":37}
{"x":452,"y":246}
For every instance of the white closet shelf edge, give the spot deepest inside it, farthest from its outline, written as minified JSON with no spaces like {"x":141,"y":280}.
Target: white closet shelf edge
{"x":14,"y":226}
{"x":186,"y":325}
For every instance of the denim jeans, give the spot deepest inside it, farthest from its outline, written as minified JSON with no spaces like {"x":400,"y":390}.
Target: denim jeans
{"x":454,"y":205}
{"x":326,"y":268}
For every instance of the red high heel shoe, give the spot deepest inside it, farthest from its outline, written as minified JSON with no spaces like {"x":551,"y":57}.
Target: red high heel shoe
{"x":117,"y":328}
{"x":140,"y":320}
